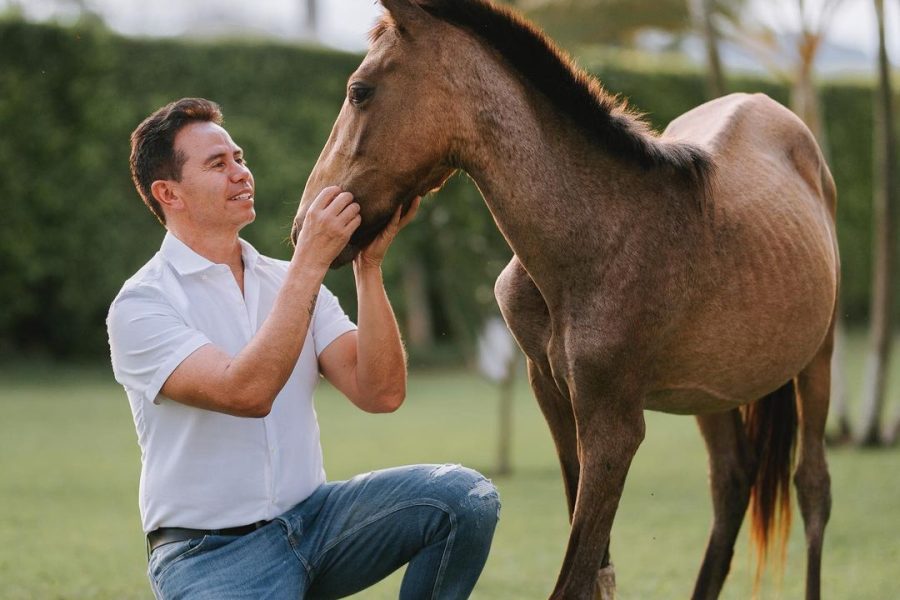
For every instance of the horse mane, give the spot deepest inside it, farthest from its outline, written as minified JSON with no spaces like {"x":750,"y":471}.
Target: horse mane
{"x":606,"y":118}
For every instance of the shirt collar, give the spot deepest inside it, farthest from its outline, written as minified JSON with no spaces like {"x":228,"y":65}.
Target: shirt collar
{"x":186,"y":261}
{"x":249,"y":254}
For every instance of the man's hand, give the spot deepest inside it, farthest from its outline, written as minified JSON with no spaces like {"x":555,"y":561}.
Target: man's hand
{"x":373,"y":254}
{"x":330,"y":221}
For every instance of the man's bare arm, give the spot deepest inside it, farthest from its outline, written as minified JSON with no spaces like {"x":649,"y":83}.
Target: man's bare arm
{"x":369,"y":366}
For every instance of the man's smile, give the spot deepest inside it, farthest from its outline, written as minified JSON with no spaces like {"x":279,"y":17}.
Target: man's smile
{"x":248,"y":195}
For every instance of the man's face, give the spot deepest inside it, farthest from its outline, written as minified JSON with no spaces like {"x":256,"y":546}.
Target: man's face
{"x":216,"y":187}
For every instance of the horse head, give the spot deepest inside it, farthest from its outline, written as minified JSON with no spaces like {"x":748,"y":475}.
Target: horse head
{"x":393,"y":139}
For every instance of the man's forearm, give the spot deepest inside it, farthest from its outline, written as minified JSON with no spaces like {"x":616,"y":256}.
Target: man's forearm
{"x":262,"y":368}
{"x":247,"y":383}
{"x":381,"y":361}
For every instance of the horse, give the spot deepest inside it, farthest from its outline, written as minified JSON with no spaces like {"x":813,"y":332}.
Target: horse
{"x":694,"y":271}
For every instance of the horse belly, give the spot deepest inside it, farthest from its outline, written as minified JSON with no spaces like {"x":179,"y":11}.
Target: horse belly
{"x":723,"y":370}
{"x":689,"y":401}
{"x":767,"y":301}
{"x":762,"y":323}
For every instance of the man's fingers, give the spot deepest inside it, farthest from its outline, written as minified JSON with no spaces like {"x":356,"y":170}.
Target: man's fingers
{"x":399,"y":220}
{"x":340,"y":202}
{"x":350,"y":210}
{"x":352,"y":225}
{"x":395,"y":218}
{"x":411,"y":213}
{"x":325,"y":197}
{"x":350,"y":213}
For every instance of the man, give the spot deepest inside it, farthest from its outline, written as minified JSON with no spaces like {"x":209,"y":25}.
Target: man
{"x":219,"y":350}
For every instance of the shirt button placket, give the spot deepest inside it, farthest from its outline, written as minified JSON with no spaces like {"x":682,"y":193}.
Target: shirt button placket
{"x":273,"y":462}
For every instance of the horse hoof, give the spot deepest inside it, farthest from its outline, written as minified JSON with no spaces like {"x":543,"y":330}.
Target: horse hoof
{"x":606,"y":583}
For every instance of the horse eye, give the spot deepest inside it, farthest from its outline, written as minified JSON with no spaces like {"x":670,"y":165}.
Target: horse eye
{"x":359,"y":93}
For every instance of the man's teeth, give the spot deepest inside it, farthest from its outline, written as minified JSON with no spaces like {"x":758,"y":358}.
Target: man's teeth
{"x":245,"y":196}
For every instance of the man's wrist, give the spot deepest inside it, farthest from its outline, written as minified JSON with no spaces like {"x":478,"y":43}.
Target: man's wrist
{"x":309,"y":262}
{"x":307,"y":267}
{"x":367,"y":269}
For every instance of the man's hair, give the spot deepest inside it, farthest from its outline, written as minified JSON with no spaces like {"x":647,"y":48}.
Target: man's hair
{"x":153,"y":154}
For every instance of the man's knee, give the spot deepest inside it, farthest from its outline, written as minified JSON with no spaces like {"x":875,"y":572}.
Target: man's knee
{"x":472,"y":496}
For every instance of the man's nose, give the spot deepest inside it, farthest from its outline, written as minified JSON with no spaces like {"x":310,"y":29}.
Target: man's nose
{"x":240,"y":171}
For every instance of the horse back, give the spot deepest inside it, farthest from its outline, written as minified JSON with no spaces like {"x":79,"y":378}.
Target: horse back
{"x":749,"y":135}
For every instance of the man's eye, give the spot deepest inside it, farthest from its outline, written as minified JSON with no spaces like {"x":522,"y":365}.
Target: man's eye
{"x":359,"y":93}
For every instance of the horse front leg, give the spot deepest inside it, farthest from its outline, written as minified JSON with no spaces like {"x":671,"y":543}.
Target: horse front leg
{"x":557,"y":410}
{"x":610,"y":425}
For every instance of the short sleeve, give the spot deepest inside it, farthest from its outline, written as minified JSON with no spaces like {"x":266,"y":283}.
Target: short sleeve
{"x":148,"y":339}
{"x":329,"y":320}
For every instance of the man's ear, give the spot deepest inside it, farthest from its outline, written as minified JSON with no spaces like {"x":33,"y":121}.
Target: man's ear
{"x":166,"y":193}
{"x":406,"y":14}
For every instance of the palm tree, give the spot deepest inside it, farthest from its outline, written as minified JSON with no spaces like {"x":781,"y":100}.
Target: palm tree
{"x":813,"y":22}
{"x":311,"y":18}
{"x":885,"y":222}
{"x":703,"y":13}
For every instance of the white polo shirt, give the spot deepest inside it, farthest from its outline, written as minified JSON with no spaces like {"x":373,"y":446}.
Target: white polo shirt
{"x":202,"y":469}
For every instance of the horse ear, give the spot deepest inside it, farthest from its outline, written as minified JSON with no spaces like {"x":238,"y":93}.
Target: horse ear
{"x":407,"y":14}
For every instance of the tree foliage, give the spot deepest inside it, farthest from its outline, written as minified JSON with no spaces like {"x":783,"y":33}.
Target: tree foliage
{"x":73,"y":228}
{"x":616,"y":22}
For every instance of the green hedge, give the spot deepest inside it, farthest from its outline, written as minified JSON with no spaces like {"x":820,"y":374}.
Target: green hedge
{"x":73,"y":229}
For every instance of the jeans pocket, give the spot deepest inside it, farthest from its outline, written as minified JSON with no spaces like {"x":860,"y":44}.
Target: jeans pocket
{"x":164,"y":557}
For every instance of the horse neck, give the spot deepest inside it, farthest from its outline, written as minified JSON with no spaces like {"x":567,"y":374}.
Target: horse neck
{"x":558,"y":197}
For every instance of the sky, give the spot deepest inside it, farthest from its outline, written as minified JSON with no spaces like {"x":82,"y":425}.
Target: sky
{"x":344,"y":23}
{"x":853,"y":24}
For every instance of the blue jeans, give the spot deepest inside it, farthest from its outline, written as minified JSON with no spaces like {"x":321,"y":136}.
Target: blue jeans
{"x":344,"y":538}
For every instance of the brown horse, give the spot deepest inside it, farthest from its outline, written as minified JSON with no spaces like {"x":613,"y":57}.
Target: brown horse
{"x":694,"y":272}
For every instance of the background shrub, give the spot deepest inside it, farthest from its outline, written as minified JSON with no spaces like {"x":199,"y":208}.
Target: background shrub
{"x":73,"y":229}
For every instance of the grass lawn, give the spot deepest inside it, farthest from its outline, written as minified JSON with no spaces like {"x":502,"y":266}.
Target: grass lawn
{"x":69,"y":467}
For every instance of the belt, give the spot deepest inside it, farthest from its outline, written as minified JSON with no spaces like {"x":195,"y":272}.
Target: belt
{"x":170,"y":535}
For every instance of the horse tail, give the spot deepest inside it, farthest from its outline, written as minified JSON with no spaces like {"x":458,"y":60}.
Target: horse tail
{"x":771,"y":425}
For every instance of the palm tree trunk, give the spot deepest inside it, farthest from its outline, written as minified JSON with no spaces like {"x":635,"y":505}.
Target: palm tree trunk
{"x":839,"y":411}
{"x":884,"y":216}
{"x":702,"y":11}
{"x":806,"y":103}
{"x":311,"y":20}
{"x":418,"y":321}
{"x":505,"y":417}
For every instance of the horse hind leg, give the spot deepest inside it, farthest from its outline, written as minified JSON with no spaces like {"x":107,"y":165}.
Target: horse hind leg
{"x":732,"y":470}
{"x":811,"y":477}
